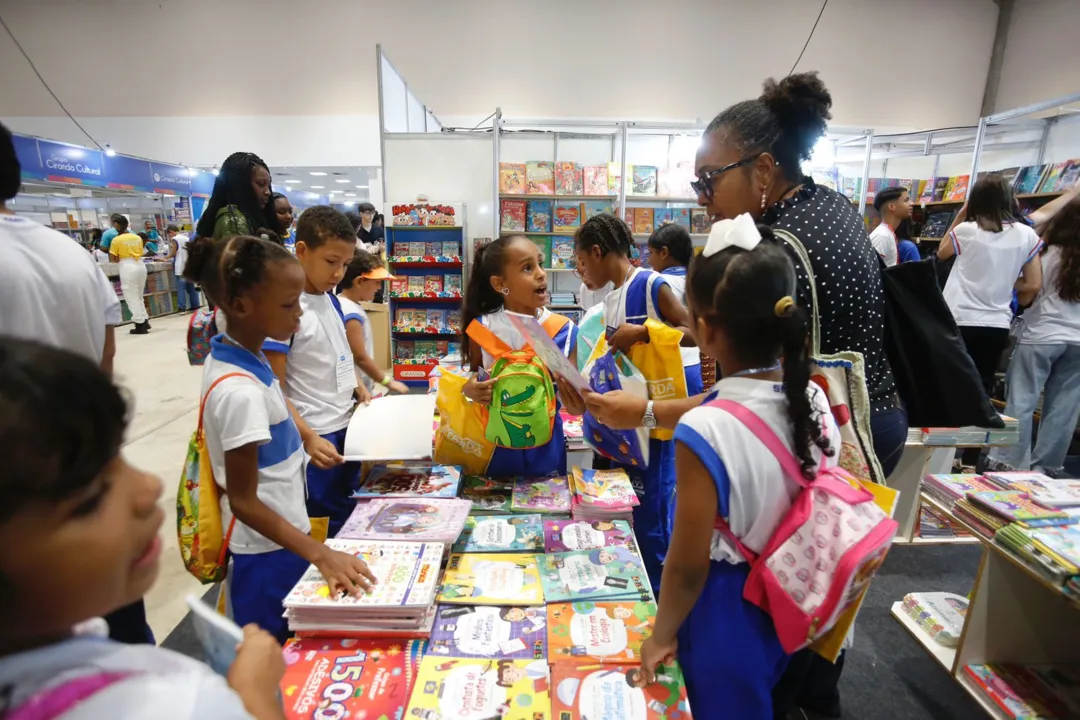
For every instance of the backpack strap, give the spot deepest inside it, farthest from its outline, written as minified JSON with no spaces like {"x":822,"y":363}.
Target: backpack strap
{"x":57,"y":701}
{"x":482,"y":336}
{"x":765,"y":434}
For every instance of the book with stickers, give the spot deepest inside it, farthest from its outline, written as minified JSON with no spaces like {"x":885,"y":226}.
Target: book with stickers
{"x":609,"y":573}
{"x":565,"y":535}
{"x":539,"y":178}
{"x":596,"y":180}
{"x":434,"y":520}
{"x":616,"y":693}
{"x":488,"y":496}
{"x":568,"y":179}
{"x":606,"y":632}
{"x":538,"y":216}
{"x":567,"y":217}
{"x":548,"y":495}
{"x":480,"y":689}
{"x":501,"y":533}
{"x":334,"y":677}
{"x":423,"y":480}
{"x":489,"y":631}
{"x":512,"y":215}
{"x":491,"y":579}
{"x":512,"y":178}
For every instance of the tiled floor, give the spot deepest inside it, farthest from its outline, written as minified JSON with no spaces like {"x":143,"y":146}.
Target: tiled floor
{"x":164,"y":394}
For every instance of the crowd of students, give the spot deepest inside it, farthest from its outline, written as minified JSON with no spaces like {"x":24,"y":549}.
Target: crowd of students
{"x":294,"y":357}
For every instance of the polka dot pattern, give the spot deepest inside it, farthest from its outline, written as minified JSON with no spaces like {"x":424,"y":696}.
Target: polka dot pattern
{"x":851,"y":301}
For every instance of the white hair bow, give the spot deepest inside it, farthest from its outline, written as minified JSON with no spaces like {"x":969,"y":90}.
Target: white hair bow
{"x":741,"y":232}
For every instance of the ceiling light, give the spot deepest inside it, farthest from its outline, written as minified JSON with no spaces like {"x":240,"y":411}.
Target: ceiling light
{"x":109,"y":151}
{"x":362,"y":187}
{"x":343,"y":180}
{"x":317,"y":173}
{"x":290,"y":182}
{"x":350,"y":194}
{"x":317,"y":187}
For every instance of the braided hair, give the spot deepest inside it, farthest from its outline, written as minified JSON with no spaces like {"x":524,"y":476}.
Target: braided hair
{"x":606,"y":232}
{"x":232,"y":187}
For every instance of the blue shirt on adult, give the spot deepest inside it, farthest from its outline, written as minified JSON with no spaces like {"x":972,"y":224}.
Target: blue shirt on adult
{"x":107,"y":238}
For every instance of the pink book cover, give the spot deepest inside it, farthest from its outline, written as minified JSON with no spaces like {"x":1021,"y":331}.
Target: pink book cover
{"x":566,"y":535}
{"x":596,"y":180}
{"x":568,"y":179}
{"x":424,"y":519}
{"x":543,"y":495}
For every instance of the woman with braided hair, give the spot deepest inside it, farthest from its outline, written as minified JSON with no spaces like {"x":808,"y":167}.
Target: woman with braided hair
{"x":240,"y":203}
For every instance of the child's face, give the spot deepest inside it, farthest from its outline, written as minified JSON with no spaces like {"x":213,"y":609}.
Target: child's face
{"x":590,"y":267}
{"x":324,"y":265}
{"x":273,"y":306}
{"x":82,"y":557}
{"x":523,"y":277}
{"x":366,"y":288}
{"x":659,"y":259}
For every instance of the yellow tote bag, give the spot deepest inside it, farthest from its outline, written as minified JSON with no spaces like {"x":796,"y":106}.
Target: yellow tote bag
{"x":459,"y":439}
{"x":660,"y":361}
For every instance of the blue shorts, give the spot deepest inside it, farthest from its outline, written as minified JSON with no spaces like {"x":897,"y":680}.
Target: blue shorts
{"x":258,"y":584}
{"x":694,"y":383}
{"x":655,"y":487}
{"x":544,"y":460}
{"x":729,"y":651}
{"x":330,"y":491}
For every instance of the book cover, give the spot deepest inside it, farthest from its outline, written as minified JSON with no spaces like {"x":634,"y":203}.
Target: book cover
{"x":539,"y":216}
{"x":452,"y":284}
{"x":937,"y":223}
{"x":453,"y":317}
{"x":643,"y":220}
{"x":643,"y":178}
{"x":567,"y":217}
{"x":602,"y":488}
{"x":438,"y":520}
{"x":403,"y":349}
{"x":512,"y":178}
{"x":1062,"y":543}
{"x":681,"y":216}
{"x":562,"y":253}
{"x":1053,"y":174}
{"x":491,"y":579}
{"x":568,"y":179}
{"x":338,"y":678}
{"x":427,"y":350}
{"x":407,"y":574}
{"x":433,"y":284}
{"x":416,"y":284}
{"x":1015,"y":700}
{"x":218,"y":635}
{"x":699,"y":221}
{"x":609,"y":573}
{"x":940,"y":614}
{"x":593,"y":208}
{"x":539,"y":178}
{"x":959,"y":188}
{"x":613,"y":693}
{"x":664,"y":185}
{"x":1008,"y":175}
{"x":417,"y":249}
{"x":450,"y":249}
{"x":661,"y":216}
{"x":501,"y":533}
{"x":399,"y":285}
{"x":596,"y":180}
{"x":926,"y":194}
{"x":512,"y":215}
{"x":614,"y":178}
{"x":606,"y":632}
{"x":1019,"y":507}
{"x":1029,"y":179}
{"x":565,"y":535}
{"x":1069,"y":177}
{"x":432,"y":249}
{"x":480,"y":689}
{"x":429,"y":481}
{"x":541,"y":495}
{"x":1052,"y":492}
{"x":487,"y":495}
{"x":435,"y":320}
{"x":489,"y":631}
{"x":941,"y":184}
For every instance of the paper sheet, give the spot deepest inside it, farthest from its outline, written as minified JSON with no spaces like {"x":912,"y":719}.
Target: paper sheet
{"x":549,"y":352}
{"x":392,"y":427}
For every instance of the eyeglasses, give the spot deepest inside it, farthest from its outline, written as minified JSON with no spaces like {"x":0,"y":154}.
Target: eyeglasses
{"x":704,"y":184}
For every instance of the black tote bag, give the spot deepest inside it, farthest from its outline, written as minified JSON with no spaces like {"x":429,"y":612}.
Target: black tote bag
{"x":936,"y":379}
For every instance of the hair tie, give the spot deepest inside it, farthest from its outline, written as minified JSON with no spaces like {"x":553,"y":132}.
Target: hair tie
{"x":784,"y":306}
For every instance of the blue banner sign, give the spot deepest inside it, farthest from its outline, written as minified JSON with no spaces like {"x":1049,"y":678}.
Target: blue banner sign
{"x":71,"y":164}
{"x":171,"y":179}
{"x":128,"y":173}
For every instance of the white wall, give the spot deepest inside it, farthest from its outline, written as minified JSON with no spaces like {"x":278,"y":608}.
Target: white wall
{"x":1042,"y":53}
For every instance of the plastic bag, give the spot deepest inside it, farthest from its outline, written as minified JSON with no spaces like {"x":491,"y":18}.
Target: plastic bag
{"x":606,"y":372}
{"x":660,"y":362}
{"x":459,"y":439}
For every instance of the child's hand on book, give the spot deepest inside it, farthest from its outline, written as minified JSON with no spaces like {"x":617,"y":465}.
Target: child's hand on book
{"x":257,"y":670}
{"x":654,"y":653}
{"x":344,"y":572}
{"x":322,"y":452}
{"x":571,"y":398}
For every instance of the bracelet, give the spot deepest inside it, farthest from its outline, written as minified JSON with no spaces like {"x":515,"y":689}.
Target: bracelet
{"x":386,"y":379}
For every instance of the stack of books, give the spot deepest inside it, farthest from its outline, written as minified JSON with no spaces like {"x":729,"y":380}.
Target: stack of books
{"x":602,"y":495}
{"x":971,"y":434}
{"x":938,"y":525}
{"x":488,"y":496}
{"x":1048,"y":491}
{"x":939,"y":614}
{"x":1029,"y":691}
{"x":544,"y":495}
{"x":989,"y":511}
{"x":411,"y":480}
{"x":948,"y":489}
{"x":563,"y":298}
{"x":1053,"y":551}
{"x":435,"y":520}
{"x":400,"y":604}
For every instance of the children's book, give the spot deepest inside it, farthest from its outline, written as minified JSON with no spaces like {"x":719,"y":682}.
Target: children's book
{"x":665,"y":187}
{"x":681,"y":216}
{"x":1060,"y":543}
{"x":541,"y":495}
{"x":699,"y":221}
{"x":1029,"y":179}
{"x":958,"y":189}
{"x":433,"y":284}
{"x":643,"y":220}
{"x":539,"y":216}
{"x":606,"y":632}
{"x":927,"y":193}
{"x":602,"y":488}
{"x":567,"y":217}
{"x":501,"y":533}
{"x":609,"y":573}
{"x":417,"y":249}
{"x":593,"y":208}
{"x":338,"y":678}
{"x":614,"y":178}
{"x":565,"y":535}
{"x":661,"y":216}
{"x":452,"y":283}
{"x":416,"y":284}
{"x":404,"y":350}
{"x":512,"y":178}
{"x":941,"y":184}
{"x":1012,"y":689}
{"x":427,"y":481}
{"x":432,"y":249}
{"x":539,"y":178}
{"x":644,"y":180}
{"x":1069,"y":177}
{"x":939,"y":614}
{"x":562,"y":253}
{"x":616,"y":692}
{"x":480,"y":689}
{"x":568,"y":179}
{"x":512,"y":215}
{"x":438,"y":520}
{"x":399,"y":285}
{"x":491,"y":579}
{"x":435,"y":320}
{"x":1053,"y":174}
{"x":427,"y":350}
{"x":489,"y":631}
{"x":1051,"y":492}
{"x":543,"y":243}
{"x":450,"y":249}
{"x":218,"y":635}
{"x":1019,"y":507}
{"x":596,"y":180}
{"x":488,"y":496}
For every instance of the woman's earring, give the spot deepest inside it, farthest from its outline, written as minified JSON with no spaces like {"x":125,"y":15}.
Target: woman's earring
{"x":505,"y":291}
{"x":764,"y":199}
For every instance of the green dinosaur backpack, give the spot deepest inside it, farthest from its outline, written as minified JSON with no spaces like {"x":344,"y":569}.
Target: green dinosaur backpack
{"x":522,"y":411}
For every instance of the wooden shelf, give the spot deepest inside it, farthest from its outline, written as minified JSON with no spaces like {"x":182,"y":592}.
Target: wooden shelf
{"x":976,"y":693}
{"x":958,"y":540}
{"x":598,"y":198}
{"x":945,"y":656}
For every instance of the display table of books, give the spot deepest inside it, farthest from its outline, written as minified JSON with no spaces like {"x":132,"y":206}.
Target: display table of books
{"x":931,"y":451}
{"x":1014,"y":643}
{"x":515,"y":599}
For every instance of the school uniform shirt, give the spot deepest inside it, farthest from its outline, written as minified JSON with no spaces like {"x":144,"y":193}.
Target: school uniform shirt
{"x":499,"y":323}
{"x":1051,"y":320}
{"x":180,"y":259}
{"x":907,"y":251}
{"x":753,"y":491}
{"x":52,"y":291}
{"x":311,"y":380}
{"x":590,"y":298}
{"x":127,"y":247}
{"x":884,"y":241}
{"x":676,"y":280}
{"x":980,"y":286}
{"x":352,"y":311}
{"x":252,"y":409}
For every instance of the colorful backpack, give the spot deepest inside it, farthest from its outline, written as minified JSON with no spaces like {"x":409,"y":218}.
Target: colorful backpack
{"x":522,"y":411}
{"x":198,"y":507}
{"x":201,"y":329}
{"x":819,"y":561}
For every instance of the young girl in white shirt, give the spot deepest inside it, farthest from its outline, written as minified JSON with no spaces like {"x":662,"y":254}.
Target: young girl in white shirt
{"x":740,"y":294}
{"x":670,"y":253}
{"x":364,"y":275}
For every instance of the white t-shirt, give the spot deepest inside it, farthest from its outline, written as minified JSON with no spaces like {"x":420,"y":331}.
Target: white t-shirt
{"x":352,"y":311}
{"x":100,"y":255}
{"x":588,"y":298}
{"x":499,"y":323}
{"x":311,"y":373}
{"x":1051,"y":320}
{"x":252,"y":409}
{"x":52,"y":291}
{"x":980,"y":286}
{"x":676,"y":279}
{"x":752,"y":488}
{"x":180,"y":259}
{"x":884,"y":241}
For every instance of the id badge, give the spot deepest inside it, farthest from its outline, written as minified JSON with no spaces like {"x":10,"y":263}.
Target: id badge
{"x":346,"y":374}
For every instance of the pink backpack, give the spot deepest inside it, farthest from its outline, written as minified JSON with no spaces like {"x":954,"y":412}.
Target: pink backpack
{"x":821,"y":557}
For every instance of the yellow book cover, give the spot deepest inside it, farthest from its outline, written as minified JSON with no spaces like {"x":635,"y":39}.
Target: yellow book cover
{"x":947,"y":195}
{"x":478,"y":689}
{"x":1059,"y":559}
{"x":512,"y":178}
{"x":491,"y":579}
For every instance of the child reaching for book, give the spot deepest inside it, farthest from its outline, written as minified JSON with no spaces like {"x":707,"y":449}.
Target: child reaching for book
{"x":316,"y":367}
{"x":508,"y":279}
{"x":602,"y":247}
{"x":740,"y":295}
{"x":86,"y":525}
{"x":364,"y":275}
{"x":254,"y":445}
